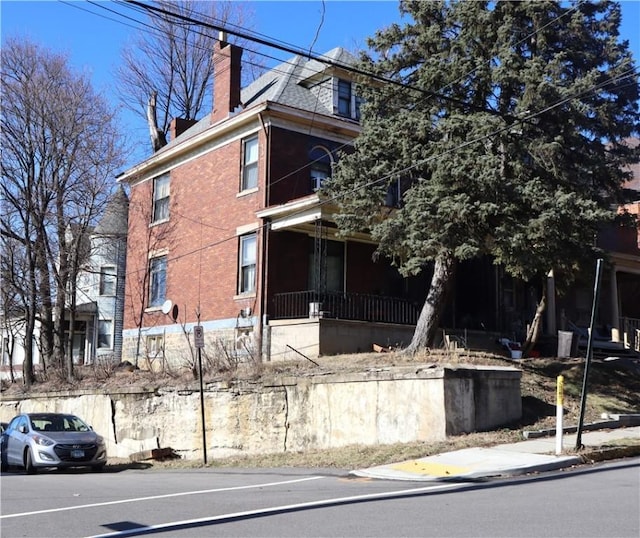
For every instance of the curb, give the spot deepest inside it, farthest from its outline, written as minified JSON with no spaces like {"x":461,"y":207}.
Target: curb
{"x":614,"y":422}
{"x":605,"y":453}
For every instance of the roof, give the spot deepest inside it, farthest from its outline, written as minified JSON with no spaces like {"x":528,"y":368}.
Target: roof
{"x":292,"y":83}
{"x":116,"y":214}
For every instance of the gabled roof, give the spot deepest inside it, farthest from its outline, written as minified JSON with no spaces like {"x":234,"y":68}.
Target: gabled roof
{"x":290,"y":83}
{"x":114,"y":221}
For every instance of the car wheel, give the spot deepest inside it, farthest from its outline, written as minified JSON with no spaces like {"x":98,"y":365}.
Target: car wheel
{"x":28,"y":463}
{"x":4,"y":466}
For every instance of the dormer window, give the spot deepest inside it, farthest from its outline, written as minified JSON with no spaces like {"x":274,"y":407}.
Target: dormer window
{"x":348,"y":105}
{"x":344,"y":98}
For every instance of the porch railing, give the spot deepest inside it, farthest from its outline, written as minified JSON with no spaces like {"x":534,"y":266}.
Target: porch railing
{"x":351,"y":306}
{"x":631,"y":332}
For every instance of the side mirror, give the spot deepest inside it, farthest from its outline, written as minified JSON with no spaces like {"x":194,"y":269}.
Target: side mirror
{"x":22,"y":428}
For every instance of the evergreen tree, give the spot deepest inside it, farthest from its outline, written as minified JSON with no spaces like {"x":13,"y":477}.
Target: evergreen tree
{"x":504,"y":127}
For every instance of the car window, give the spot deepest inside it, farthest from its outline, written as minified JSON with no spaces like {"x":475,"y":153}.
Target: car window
{"x":14,"y":423}
{"x":38,"y":424}
{"x":75,"y":424}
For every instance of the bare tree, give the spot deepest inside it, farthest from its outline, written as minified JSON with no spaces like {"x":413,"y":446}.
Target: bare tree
{"x":167,"y":73}
{"x":61,"y":150}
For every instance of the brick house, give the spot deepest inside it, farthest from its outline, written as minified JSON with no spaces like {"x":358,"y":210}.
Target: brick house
{"x":225,"y":223}
{"x":226,"y":230}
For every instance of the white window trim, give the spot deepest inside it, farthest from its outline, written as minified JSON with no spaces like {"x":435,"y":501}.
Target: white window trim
{"x":241,"y":282}
{"x":108,"y":270}
{"x":110,"y":335}
{"x":244,"y":189}
{"x":166,"y":269}
{"x":336,"y":98}
{"x":166,"y":176}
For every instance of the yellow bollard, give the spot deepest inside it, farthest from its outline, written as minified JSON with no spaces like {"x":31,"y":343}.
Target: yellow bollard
{"x":559,"y":413}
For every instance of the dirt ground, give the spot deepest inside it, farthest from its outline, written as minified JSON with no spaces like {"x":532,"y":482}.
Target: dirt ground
{"x":612,"y":387}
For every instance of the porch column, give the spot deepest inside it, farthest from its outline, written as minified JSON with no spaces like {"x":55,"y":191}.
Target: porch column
{"x":551,"y":303}
{"x":615,"y":309}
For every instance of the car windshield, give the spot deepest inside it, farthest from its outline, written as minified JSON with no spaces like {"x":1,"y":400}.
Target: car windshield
{"x":58,"y":423}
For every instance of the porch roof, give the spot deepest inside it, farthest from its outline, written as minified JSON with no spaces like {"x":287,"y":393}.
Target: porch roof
{"x":297,"y":212}
{"x":300,"y":215}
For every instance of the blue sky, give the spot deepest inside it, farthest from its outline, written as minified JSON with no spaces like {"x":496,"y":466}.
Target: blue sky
{"x":93,"y":36}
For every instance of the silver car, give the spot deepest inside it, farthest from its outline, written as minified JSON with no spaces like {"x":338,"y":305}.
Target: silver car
{"x":37,"y":440}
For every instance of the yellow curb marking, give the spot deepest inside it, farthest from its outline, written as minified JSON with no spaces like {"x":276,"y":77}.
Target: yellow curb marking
{"x":435,"y":469}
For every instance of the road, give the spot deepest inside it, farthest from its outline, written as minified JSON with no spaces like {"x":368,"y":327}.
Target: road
{"x":598,"y":501}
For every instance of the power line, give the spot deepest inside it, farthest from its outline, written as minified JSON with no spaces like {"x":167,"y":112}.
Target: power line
{"x":319,"y":58}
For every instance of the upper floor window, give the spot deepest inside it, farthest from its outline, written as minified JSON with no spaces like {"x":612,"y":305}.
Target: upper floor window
{"x":160,"y":198}
{"x":250,"y":163}
{"x":344,"y":98}
{"x":247,"y":262}
{"x":108,"y":280}
{"x":348,"y":104}
{"x":157,"y":280}
{"x":320,"y":168}
{"x":394,"y":195}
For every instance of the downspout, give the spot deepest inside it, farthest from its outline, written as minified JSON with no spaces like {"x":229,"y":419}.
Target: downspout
{"x":263,"y":321}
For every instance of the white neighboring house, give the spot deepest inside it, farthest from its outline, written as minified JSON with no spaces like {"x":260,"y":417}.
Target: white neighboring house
{"x":100,"y":287}
{"x":13,"y":347}
{"x":99,"y":299}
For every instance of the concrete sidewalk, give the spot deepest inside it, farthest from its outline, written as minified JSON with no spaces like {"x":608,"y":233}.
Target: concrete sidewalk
{"x":532,"y":455}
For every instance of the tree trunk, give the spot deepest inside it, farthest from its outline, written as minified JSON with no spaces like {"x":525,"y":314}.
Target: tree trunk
{"x":429,"y":320}
{"x":536,"y":325}
{"x":158,"y":138}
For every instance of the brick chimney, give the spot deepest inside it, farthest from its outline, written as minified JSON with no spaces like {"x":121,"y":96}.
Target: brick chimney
{"x":179,"y":126}
{"x":226,"y":78}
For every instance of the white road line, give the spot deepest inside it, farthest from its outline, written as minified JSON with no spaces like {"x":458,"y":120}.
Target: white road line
{"x":311,"y":504}
{"x":165,"y":496}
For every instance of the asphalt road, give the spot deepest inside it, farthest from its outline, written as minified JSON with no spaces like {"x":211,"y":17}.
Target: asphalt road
{"x":598,"y":501}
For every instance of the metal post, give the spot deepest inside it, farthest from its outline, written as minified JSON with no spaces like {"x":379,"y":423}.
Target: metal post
{"x":198,"y":338}
{"x":204,"y":429}
{"x":583,"y":399}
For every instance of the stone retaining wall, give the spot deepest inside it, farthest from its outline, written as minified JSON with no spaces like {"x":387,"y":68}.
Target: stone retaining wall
{"x":384,"y":406}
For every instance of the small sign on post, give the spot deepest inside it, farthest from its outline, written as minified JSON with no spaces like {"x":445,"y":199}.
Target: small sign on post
{"x":198,"y":336}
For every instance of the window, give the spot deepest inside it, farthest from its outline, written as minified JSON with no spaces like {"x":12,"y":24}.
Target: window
{"x":157,"y":280}
{"x":320,"y":166}
{"x":244,"y":338}
{"x":344,"y":98}
{"x":247,"y":283}
{"x":105,"y":334}
{"x":108,"y":280}
{"x":394,"y":196}
{"x":250,"y":163}
{"x":155,"y":345}
{"x":326,"y":265}
{"x":161,"y":198}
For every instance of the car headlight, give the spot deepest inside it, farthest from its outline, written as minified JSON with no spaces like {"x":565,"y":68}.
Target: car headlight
{"x":100,"y":440}
{"x":42,"y":441}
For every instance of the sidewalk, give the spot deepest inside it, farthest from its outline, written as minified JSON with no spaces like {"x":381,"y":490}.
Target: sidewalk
{"x":532,"y":455}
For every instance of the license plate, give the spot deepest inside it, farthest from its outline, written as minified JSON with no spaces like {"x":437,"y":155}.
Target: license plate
{"x":77,"y":453}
